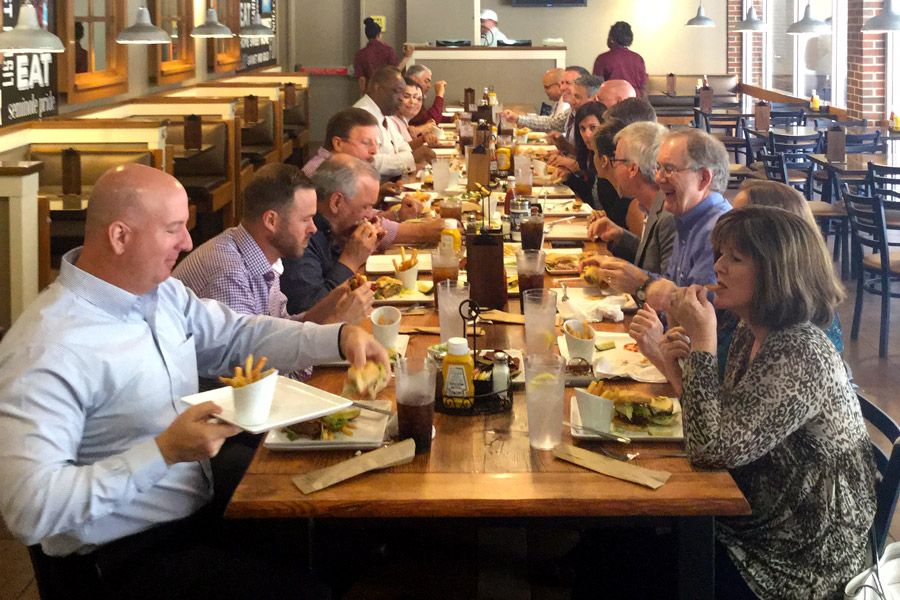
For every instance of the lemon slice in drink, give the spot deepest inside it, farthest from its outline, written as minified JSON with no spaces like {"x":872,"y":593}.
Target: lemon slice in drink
{"x":543,"y":379}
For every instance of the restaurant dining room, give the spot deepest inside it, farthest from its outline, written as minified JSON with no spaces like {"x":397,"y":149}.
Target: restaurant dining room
{"x":418,"y":299}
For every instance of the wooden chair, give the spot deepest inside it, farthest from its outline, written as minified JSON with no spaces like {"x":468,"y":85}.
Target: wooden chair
{"x":877,"y":270}
{"x":887,"y":488}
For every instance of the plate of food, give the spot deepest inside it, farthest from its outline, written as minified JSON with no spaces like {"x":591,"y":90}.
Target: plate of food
{"x":617,"y":355}
{"x":590,"y":297}
{"x":383,"y":264}
{"x":630,"y":413}
{"x":564,"y":261}
{"x":348,"y":429}
{"x":292,"y":402}
{"x":389,"y":290}
{"x":566,"y":208}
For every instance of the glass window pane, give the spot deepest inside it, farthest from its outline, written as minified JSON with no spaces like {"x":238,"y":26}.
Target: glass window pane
{"x":99,"y":44}
{"x":81,"y":8}
{"x":782,"y":46}
{"x":815,"y":56}
{"x":100,"y":9}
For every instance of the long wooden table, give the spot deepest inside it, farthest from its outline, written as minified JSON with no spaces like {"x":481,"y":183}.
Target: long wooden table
{"x":483,"y":467}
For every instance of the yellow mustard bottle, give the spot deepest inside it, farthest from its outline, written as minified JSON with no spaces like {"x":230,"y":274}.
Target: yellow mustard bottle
{"x":451,"y":240}
{"x":458,"y":370}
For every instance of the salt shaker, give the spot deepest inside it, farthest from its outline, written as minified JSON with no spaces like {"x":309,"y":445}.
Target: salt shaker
{"x":500,"y":373}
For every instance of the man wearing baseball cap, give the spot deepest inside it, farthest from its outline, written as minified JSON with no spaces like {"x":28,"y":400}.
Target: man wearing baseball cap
{"x":490,"y":33}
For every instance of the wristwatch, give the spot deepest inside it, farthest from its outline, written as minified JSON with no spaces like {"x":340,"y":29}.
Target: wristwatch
{"x":640,"y":295}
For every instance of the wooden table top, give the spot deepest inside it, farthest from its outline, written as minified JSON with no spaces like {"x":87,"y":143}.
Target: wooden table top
{"x":857,"y":164}
{"x":482,"y":466}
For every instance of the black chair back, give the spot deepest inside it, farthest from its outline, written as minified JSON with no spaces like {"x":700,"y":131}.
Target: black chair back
{"x":773,"y":165}
{"x":885,"y":183}
{"x":823,"y":122}
{"x":864,"y":143}
{"x":867,"y":226}
{"x":784,"y":118}
{"x":753,"y":144}
{"x":888,"y":488}
{"x":809,"y":144}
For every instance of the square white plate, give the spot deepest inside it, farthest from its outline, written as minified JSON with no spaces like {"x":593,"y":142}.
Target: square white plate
{"x":369,"y":433}
{"x":590,"y":293}
{"x":402,"y":344}
{"x":619,"y":362}
{"x":383,"y":264}
{"x":293,"y":402}
{"x":568,"y":231}
{"x":553,"y":208}
{"x":406,"y":297}
{"x":603,"y":422}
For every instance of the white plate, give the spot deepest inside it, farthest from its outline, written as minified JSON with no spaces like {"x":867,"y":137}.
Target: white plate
{"x":402,"y":344}
{"x":619,"y":362}
{"x":590,"y":293}
{"x":369,"y":433}
{"x":383,"y":264}
{"x":567,"y":231}
{"x":444,"y":152}
{"x":604,"y":422}
{"x":293,"y":402}
{"x":406,"y":297}
{"x":553,"y":208}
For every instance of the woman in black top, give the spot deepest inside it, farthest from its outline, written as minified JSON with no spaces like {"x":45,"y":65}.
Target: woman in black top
{"x":603,"y":151}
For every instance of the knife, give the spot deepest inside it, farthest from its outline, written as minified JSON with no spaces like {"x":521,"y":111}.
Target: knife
{"x":604,"y":434}
{"x":372,"y":408}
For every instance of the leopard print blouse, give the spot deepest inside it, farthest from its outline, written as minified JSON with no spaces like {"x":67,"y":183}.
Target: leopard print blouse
{"x":788,"y":427}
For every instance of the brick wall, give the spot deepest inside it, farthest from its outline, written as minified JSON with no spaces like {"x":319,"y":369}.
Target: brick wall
{"x":737,"y":39}
{"x":866,"y":62}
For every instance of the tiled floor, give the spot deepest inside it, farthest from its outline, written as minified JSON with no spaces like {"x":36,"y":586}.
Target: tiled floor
{"x":879,"y":380}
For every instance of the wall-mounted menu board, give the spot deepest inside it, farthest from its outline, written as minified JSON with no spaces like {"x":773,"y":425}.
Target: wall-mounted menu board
{"x":258,"y":52}
{"x":28,"y":81}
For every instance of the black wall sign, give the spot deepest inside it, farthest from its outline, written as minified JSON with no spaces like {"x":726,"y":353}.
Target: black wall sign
{"x":257,"y":52}
{"x":28,"y":81}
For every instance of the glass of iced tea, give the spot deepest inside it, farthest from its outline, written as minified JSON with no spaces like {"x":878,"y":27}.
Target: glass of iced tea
{"x":444,"y":265}
{"x":532,"y":230}
{"x":415,"y":381}
{"x":530,"y":269}
{"x":451,"y":208}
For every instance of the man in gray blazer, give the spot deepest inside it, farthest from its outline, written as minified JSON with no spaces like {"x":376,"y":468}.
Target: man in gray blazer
{"x":635,"y":162}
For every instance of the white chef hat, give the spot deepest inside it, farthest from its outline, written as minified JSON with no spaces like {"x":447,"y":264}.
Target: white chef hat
{"x":489,"y":14}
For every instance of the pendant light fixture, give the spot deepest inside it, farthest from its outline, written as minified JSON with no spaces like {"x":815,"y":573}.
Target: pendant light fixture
{"x":27,"y":36}
{"x":701,"y":20}
{"x":887,"y":20}
{"x":256,"y":29}
{"x":751,"y":22}
{"x":143,"y":31}
{"x":808,"y":24}
{"x":212,"y":28}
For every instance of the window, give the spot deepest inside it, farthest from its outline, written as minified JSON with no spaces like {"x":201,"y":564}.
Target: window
{"x":225,"y":54}
{"x":170,"y":63}
{"x":799,"y":64}
{"x":94,"y":65}
{"x":892,"y":86}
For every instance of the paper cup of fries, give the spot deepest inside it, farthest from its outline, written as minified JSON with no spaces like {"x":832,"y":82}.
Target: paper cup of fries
{"x":407,"y":270}
{"x":579,"y":339}
{"x":539,"y":166}
{"x":252,"y":402}
{"x":409,"y":277}
{"x":386,"y":325}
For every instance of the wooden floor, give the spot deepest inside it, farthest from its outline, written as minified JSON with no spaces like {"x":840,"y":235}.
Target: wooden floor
{"x":878,"y":378}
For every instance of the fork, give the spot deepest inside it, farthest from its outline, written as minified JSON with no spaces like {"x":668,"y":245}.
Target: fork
{"x":555,"y":223}
{"x":627,"y":457}
{"x":565,"y":288}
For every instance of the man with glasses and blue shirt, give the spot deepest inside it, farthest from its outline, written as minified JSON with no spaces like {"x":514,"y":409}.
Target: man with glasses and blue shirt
{"x":692,"y":172}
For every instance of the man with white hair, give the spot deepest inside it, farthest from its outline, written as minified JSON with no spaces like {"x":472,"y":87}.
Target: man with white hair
{"x":422,"y":75}
{"x":490,"y":33}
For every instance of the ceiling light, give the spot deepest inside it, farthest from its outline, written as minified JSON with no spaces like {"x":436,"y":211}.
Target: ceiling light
{"x":27,"y":36}
{"x":808,"y":24}
{"x":143,"y":31}
{"x":256,"y":29}
{"x":212,"y":28}
{"x":701,"y":20}
{"x":887,"y":20}
{"x":751,"y":23}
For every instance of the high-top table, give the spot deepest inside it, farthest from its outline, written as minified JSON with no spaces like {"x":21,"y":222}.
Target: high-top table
{"x":483,"y":467}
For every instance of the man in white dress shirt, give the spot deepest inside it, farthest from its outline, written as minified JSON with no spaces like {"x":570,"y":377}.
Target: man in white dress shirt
{"x":383,"y":99}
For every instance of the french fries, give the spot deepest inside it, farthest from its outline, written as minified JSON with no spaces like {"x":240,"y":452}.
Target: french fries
{"x":585,"y":333}
{"x":406,"y":263}
{"x":595,"y":388}
{"x":713,"y":287}
{"x":248,"y":373}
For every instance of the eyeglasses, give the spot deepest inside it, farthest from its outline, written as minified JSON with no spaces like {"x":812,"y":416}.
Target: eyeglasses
{"x":669,"y":170}
{"x":624,"y":161}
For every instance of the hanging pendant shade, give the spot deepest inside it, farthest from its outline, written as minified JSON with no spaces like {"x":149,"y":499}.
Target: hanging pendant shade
{"x":887,"y":20}
{"x":701,"y":20}
{"x":143,"y":31}
{"x":27,"y":36}
{"x":256,"y":29}
{"x":212,"y":28}
{"x":751,"y":22}
{"x":808,"y":24}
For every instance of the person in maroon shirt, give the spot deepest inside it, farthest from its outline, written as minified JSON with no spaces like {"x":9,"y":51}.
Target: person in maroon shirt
{"x":620,"y":62}
{"x":376,"y":54}
{"x":422,"y":76}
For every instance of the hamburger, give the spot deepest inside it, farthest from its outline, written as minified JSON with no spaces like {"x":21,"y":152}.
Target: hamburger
{"x":358,"y":280}
{"x":592,"y":276}
{"x":387,"y":287}
{"x":366,"y":382}
{"x":561,"y":262}
{"x":325,"y":427}
{"x":635,"y":411}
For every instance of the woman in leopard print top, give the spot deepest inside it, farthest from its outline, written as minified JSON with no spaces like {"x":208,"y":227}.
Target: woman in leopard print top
{"x":785,"y":422}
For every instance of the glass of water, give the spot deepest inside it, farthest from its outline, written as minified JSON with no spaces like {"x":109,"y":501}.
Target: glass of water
{"x":450,"y":295}
{"x":539,"y":306}
{"x":545,"y":387}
